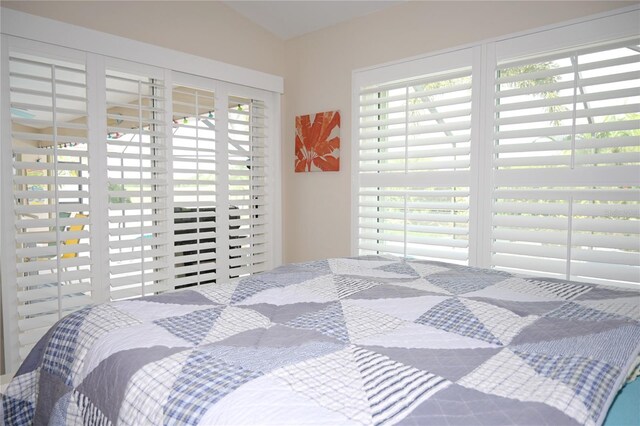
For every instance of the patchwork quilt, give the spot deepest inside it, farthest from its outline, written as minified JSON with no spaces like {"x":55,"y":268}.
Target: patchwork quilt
{"x":351,"y":341}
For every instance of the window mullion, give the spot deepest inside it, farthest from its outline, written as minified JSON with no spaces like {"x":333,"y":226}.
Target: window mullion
{"x":11,"y":343}
{"x":98,"y":199}
{"x":167,"y":118}
{"x":222,"y":184}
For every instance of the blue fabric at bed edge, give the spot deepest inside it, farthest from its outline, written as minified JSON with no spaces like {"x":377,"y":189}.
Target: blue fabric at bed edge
{"x":625,"y":410}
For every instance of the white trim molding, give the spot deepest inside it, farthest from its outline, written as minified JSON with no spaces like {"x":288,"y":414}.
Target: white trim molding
{"x":24,"y":25}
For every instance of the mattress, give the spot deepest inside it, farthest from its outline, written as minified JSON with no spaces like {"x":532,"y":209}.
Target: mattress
{"x":355,"y":341}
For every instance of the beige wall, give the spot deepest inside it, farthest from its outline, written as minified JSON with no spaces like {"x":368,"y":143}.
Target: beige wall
{"x":318,"y":78}
{"x":205,"y":28}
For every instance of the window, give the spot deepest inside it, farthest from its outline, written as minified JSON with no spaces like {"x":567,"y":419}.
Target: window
{"x":51,"y":192}
{"x":221,"y":191}
{"x":136,"y":184}
{"x":414,"y":163}
{"x":522,"y":156}
{"x":195,"y":202}
{"x":126,"y":180}
{"x":567,"y":189}
{"x":248,"y":200}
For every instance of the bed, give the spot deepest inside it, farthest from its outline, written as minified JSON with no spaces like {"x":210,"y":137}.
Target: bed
{"x":366,"y":340}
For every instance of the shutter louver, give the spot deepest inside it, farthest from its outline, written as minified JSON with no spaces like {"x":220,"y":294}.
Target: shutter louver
{"x":247,"y":160}
{"x":136,"y":167}
{"x":566,"y":165}
{"x":418,"y":222}
{"x":194,"y":186}
{"x":414,"y":163}
{"x":51,"y":192}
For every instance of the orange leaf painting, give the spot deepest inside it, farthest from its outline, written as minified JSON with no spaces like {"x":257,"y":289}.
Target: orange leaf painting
{"x":318,"y":143}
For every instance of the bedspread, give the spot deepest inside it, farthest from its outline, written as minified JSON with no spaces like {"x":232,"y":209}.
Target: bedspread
{"x":368,"y":340}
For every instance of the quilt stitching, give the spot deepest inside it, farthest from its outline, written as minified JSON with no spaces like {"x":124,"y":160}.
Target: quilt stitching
{"x":148,"y":390}
{"x":347,"y":286}
{"x":506,"y":375}
{"x":203,"y":380}
{"x":392,"y":388}
{"x":363,"y":323}
{"x":17,"y":411}
{"x":628,"y":307}
{"x":561,"y":290}
{"x":572,"y":310}
{"x":192,"y":327}
{"x":59,"y":354}
{"x":333,"y":381}
{"x":590,"y":379}
{"x":329,"y":321}
{"x":451,"y":315}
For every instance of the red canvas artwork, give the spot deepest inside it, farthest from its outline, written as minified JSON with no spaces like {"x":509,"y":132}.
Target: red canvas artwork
{"x":318,"y":142}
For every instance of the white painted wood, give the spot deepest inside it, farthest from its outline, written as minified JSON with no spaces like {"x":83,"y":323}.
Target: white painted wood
{"x":414,"y":68}
{"x":7,"y":230}
{"x":613,"y":25}
{"x":276,"y":171}
{"x":98,"y":178}
{"x":485,"y":151}
{"x":222,"y":186}
{"x":356,"y":85}
{"x":167,"y":118}
{"x":36,"y":28}
{"x":477,"y":191}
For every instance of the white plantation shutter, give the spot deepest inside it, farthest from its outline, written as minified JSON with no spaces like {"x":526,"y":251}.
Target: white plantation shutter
{"x":529,"y":164}
{"x":567,"y":165}
{"x":48,"y":101}
{"x":417,"y":125}
{"x":414,"y":165}
{"x":122,"y":180}
{"x":137,"y":184}
{"x":194,"y":177}
{"x":418,"y":222}
{"x":247,"y":186}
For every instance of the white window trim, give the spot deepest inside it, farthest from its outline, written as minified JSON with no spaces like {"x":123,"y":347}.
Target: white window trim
{"x":600,"y":28}
{"x":24,"y":25}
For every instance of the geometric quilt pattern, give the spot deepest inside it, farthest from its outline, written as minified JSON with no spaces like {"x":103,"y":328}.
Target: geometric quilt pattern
{"x":392,"y":388}
{"x":203,"y":380}
{"x":465,"y":280}
{"x":328,"y":321}
{"x":452,"y":315}
{"x":58,"y":356}
{"x":369,"y":340}
{"x":509,"y":376}
{"x":575,"y":311}
{"x":590,"y":379}
{"x":192,"y":327}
